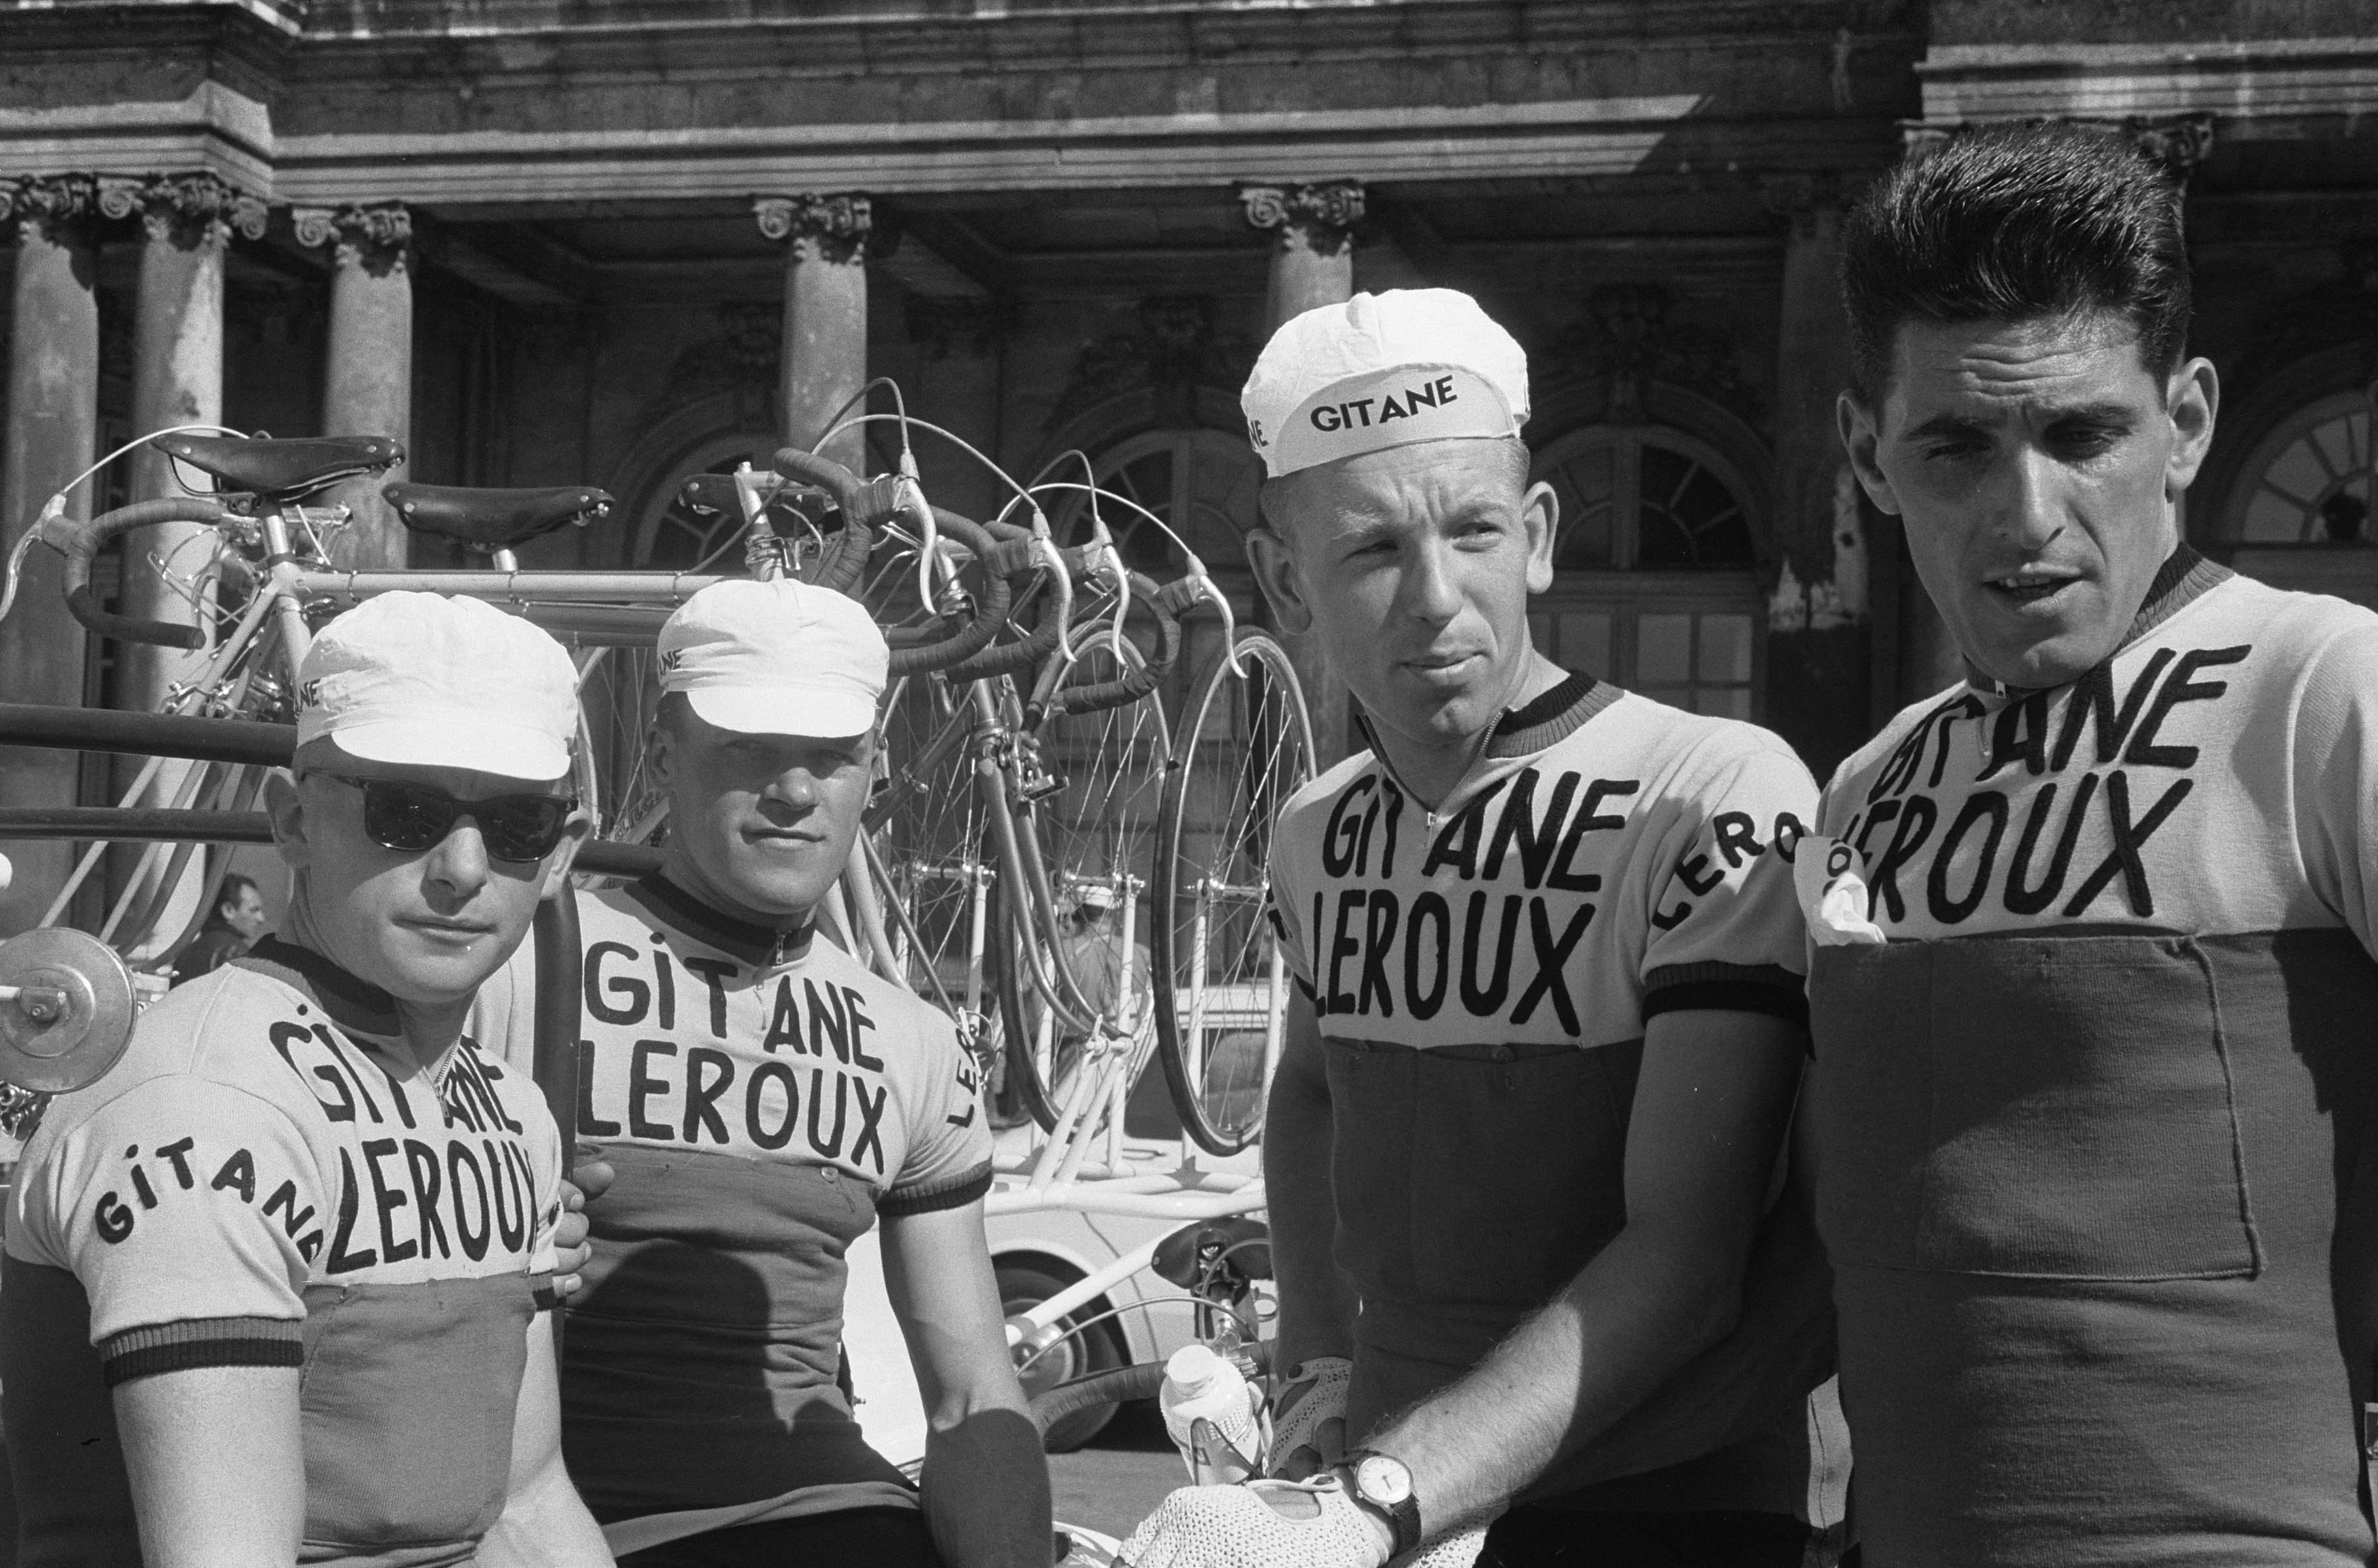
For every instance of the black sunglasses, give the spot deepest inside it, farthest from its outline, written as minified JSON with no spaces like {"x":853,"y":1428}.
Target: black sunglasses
{"x":413,"y":816}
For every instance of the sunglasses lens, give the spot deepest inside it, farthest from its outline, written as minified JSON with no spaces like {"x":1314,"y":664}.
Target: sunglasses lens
{"x":523,"y":827}
{"x":404,"y":815}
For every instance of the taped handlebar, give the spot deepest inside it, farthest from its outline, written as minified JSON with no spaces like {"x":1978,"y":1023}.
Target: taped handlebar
{"x":85,"y":543}
{"x":867,"y":505}
{"x":994,"y":564}
{"x":1097,"y":695}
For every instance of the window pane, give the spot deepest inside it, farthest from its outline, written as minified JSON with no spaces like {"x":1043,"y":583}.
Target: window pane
{"x":1586,"y":487}
{"x":1723,"y":702}
{"x":1664,"y":649}
{"x":1585,"y":641}
{"x":1726,"y":648}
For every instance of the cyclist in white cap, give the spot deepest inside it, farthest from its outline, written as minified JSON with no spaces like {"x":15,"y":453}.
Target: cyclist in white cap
{"x":1524,"y":1137}
{"x":278,"y":1285}
{"x":766,"y":1098}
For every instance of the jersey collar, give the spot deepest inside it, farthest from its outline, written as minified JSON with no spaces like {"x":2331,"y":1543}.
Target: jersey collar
{"x":763,"y":947}
{"x":356,"y":1006}
{"x":2184,"y":576}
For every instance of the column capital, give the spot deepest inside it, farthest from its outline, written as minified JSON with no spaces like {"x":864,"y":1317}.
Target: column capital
{"x":189,"y":210}
{"x":1321,"y":217}
{"x":843,"y":226}
{"x":1804,"y":197}
{"x":54,"y":201}
{"x":377,"y":238}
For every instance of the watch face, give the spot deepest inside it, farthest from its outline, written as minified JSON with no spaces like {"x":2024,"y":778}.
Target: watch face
{"x":1382,"y":1479}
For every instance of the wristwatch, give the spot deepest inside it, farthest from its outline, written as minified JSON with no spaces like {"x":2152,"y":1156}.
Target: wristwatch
{"x":1384,"y":1485}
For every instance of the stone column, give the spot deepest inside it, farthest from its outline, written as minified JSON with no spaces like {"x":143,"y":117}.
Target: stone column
{"x":53,"y":427}
{"x":1312,"y":265}
{"x":827,"y":242}
{"x":177,"y":336}
{"x":1312,"y":262}
{"x":368,"y":388}
{"x":1818,"y":677}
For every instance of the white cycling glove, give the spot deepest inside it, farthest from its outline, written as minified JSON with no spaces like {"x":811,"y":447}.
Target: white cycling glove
{"x":1313,"y":1394}
{"x":1269,"y":1524}
{"x":1261,"y":1524}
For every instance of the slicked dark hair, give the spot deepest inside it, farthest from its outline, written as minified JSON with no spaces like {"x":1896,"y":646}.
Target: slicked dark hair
{"x":2015,"y":223}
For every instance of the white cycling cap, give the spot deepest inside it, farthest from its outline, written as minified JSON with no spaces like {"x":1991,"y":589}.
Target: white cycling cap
{"x":1383,"y":370}
{"x":777,"y":658}
{"x":441,"y":683}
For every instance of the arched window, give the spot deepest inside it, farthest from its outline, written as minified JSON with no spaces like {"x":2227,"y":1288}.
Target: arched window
{"x":1654,"y":558}
{"x":1202,"y":482}
{"x":2308,"y":482}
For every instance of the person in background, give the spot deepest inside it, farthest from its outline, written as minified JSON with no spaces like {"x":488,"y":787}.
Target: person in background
{"x":233,"y":924}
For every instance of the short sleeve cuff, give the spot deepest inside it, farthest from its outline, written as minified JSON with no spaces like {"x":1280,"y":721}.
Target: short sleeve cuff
{"x":201,"y":1342}
{"x":953,"y":1193}
{"x":1726,"y":988}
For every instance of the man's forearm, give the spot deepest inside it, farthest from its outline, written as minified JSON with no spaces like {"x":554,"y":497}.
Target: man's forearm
{"x":1631,"y":1318}
{"x":1317,"y":1301}
{"x":986,"y":1492}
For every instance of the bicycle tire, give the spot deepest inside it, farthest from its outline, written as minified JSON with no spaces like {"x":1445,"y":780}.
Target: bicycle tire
{"x":1246,"y":746}
{"x":1095,"y":782}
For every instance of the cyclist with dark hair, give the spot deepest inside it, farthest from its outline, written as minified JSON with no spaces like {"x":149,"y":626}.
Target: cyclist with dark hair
{"x":232,"y":927}
{"x":2093,"y":983}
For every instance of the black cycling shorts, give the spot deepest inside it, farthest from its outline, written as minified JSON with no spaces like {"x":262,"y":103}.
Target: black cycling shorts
{"x":880,"y":1537}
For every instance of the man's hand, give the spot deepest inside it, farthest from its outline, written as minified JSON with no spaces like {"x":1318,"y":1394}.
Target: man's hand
{"x":1261,"y":1524}
{"x":571,"y":1251}
{"x":1308,"y":1419}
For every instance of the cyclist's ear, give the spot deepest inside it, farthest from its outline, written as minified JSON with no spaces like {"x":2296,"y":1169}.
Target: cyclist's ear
{"x":286,"y":813}
{"x":1277,"y":573}
{"x":557,"y":863}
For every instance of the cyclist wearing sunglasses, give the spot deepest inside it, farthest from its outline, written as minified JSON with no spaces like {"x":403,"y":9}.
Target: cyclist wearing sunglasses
{"x":278,"y":1285}
{"x":765,"y":1099}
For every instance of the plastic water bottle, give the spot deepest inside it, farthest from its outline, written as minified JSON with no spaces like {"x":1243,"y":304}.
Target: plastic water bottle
{"x":1210,"y":1412}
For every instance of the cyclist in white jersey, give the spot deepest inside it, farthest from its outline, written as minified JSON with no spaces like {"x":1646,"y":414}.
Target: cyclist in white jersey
{"x":1521,"y":1146}
{"x":278,"y":1286}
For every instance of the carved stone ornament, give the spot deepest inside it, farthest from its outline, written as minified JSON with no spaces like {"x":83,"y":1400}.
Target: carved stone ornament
{"x":842,"y":227}
{"x":1629,"y":336}
{"x":1321,"y":216}
{"x":376,"y":238}
{"x":944,"y":323}
{"x":53,"y":201}
{"x":190,"y":209}
{"x":1172,"y":351}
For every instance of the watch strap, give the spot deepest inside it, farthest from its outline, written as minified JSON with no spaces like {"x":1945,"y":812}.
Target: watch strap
{"x":1402,"y":1518}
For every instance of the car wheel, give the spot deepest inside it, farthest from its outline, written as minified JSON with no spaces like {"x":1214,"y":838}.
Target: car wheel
{"x":1097,"y":1348}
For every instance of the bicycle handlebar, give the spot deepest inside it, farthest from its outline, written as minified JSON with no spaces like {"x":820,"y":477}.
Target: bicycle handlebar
{"x":867,"y":505}
{"x":998,"y":563}
{"x":84,"y":543}
{"x":1131,"y":687}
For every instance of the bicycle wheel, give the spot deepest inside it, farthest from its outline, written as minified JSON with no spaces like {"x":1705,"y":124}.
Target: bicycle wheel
{"x":1091,"y":785}
{"x":619,"y":703}
{"x":932,"y":839}
{"x":1221,"y":981}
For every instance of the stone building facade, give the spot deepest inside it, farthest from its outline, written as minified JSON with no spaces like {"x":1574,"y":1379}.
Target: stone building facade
{"x":625,"y":241}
